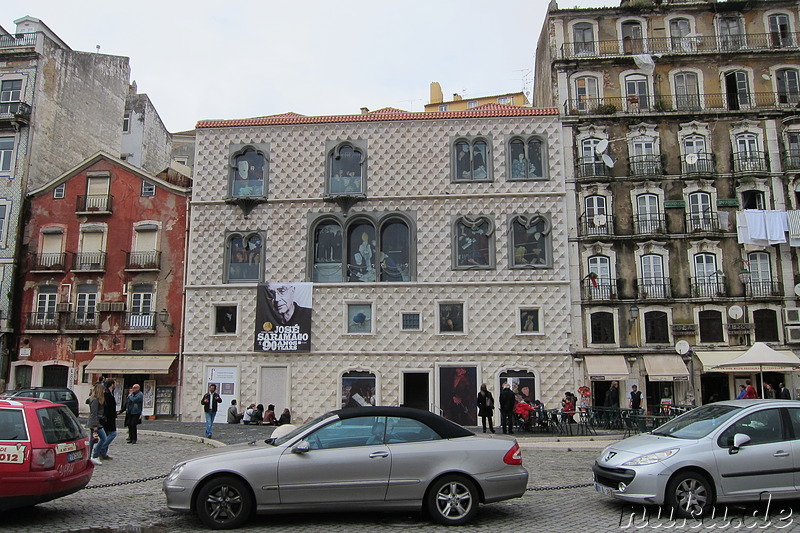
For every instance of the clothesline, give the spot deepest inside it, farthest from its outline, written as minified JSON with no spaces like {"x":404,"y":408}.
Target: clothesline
{"x":761,"y":227}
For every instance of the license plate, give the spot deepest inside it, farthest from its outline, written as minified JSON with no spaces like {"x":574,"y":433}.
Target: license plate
{"x":74,"y":456}
{"x":602,"y":489}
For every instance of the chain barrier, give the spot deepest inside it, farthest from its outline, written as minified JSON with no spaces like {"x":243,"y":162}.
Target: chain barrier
{"x":560,"y":487}
{"x":120,"y":483}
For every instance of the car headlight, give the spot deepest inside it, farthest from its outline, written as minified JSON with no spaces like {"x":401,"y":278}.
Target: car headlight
{"x":651,"y":458}
{"x":175,"y":472}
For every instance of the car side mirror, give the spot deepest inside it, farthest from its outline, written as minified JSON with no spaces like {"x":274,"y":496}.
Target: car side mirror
{"x":301,"y":447}
{"x":739,"y":440}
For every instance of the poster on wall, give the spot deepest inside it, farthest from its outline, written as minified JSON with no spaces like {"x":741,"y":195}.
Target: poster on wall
{"x":458,"y":393}
{"x":283,"y":317}
{"x":358,"y":390}
{"x":149,"y":392}
{"x":523,"y":385}
{"x":226,"y":378}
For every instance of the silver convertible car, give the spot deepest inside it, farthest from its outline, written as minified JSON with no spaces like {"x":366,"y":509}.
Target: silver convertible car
{"x":733,"y":451}
{"x":387,"y":458}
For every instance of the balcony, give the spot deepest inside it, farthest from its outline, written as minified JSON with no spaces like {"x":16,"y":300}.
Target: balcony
{"x":590,"y":167}
{"x":19,"y":40}
{"x":139,"y":322}
{"x":698,"y":165}
{"x":708,"y":287}
{"x":654,"y":288}
{"x":46,"y":321}
{"x":14,"y":114}
{"x":705,"y":221}
{"x":143,"y":261}
{"x":750,"y":162}
{"x":702,"y":44}
{"x":96,"y":204}
{"x":600,"y":289}
{"x":791,"y":160}
{"x":81,"y":321}
{"x":89,"y":262}
{"x":645,"y":166}
{"x":680,"y":104}
{"x":649,"y":224}
{"x":763,"y":289}
{"x":596,"y":225}
{"x":48,"y":262}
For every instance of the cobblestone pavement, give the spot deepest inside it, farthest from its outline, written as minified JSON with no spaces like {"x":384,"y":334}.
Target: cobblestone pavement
{"x":142,"y":507}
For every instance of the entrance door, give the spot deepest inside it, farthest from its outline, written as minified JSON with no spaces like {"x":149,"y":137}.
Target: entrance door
{"x":416,"y":390}
{"x":274,"y":388}
{"x":715,"y":387}
{"x":55,"y":376}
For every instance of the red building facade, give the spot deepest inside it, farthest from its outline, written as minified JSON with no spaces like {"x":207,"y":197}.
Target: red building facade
{"x":102,"y":286}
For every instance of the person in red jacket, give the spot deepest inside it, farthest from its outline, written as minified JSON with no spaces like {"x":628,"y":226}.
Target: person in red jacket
{"x":751,"y":393}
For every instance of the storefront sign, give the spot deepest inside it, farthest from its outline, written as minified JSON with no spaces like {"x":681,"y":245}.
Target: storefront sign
{"x":675,"y":204}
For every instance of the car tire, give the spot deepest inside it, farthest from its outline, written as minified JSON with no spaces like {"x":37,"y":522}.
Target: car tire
{"x":690,"y":494}
{"x":224,"y":503}
{"x":452,"y":500}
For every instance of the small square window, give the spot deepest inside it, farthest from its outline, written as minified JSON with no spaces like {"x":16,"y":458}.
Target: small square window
{"x":451,"y":318}
{"x":529,"y":321}
{"x":472,"y":104}
{"x":359,"y":318}
{"x":504,"y":100}
{"x":225,"y":319}
{"x":58,"y":192}
{"x":148,"y":189}
{"x":410,"y":321}
{"x":83,"y":345}
{"x":444,"y":107}
{"x":137,"y":345}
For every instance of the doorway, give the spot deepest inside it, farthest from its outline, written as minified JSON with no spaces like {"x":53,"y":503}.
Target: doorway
{"x":55,"y":376}
{"x":416,"y":390}
{"x":274,"y":389}
{"x":714,"y":387}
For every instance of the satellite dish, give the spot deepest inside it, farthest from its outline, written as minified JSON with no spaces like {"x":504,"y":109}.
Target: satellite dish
{"x":797,"y":289}
{"x":599,"y":220}
{"x":607,"y":161}
{"x":682,"y":347}
{"x":691,"y":159}
{"x":735,"y":312}
{"x":601,"y":147}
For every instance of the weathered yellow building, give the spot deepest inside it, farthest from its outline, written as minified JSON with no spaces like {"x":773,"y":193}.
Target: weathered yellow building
{"x":458,"y":103}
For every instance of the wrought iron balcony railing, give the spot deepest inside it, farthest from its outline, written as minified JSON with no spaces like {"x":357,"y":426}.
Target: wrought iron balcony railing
{"x":94,"y":203}
{"x":791,"y":160}
{"x":47,"y":320}
{"x":649,"y":223}
{"x":764,"y":289}
{"x":705,"y":221}
{"x":140,"y":321}
{"x":645,"y":165}
{"x":600,"y":289}
{"x":749,"y":162}
{"x":691,"y":103}
{"x":55,"y":262}
{"x":597,"y":225}
{"x":89,"y":261}
{"x":654,"y":288}
{"x":708,"y":287}
{"x":143,"y":260}
{"x":589,"y":167}
{"x":82,"y":320}
{"x":700,"y":164}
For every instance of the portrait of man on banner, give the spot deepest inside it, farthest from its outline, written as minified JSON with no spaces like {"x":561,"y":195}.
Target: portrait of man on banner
{"x":283,"y":317}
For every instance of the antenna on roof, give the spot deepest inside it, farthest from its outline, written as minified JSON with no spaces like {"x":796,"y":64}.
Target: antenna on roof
{"x":98,"y":48}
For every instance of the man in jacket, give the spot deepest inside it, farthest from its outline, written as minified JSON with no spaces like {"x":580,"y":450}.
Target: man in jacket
{"x":783,"y":392}
{"x":134,"y":410}
{"x":210,"y":402}
{"x":507,"y":402}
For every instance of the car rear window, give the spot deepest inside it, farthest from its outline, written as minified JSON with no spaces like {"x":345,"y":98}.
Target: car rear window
{"x":12,"y":425}
{"x":62,"y":396}
{"x":59,"y":424}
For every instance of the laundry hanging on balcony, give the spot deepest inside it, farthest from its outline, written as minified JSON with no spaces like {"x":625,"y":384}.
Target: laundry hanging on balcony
{"x":761,"y":227}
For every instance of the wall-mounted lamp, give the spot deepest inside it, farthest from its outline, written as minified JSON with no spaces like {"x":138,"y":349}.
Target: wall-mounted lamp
{"x":634,"y":312}
{"x":163,"y":316}
{"x":631,"y":359}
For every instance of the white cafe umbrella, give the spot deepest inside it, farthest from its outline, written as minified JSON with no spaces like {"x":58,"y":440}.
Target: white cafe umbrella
{"x":759,"y":356}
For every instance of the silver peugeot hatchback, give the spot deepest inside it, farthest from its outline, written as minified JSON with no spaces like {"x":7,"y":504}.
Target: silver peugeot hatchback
{"x":733,"y":451}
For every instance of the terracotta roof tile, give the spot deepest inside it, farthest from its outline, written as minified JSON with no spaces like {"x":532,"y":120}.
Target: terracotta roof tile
{"x":484,"y":111}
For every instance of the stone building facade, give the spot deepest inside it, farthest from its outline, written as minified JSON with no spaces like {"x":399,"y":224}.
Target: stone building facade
{"x":431,"y":272}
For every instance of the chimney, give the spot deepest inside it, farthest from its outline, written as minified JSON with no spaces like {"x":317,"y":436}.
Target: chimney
{"x":456,"y":97}
{"x":364,"y":110}
{"x":436,"y":93}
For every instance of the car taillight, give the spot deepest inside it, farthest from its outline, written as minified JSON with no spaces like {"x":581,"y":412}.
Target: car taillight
{"x":43,"y":459}
{"x":513,"y":456}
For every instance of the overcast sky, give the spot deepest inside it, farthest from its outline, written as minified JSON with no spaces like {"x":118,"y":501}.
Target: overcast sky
{"x":206,"y":59}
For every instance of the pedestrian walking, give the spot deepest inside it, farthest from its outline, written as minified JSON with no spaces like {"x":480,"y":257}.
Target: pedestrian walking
{"x":750,"y":391}
{"x":507,"y":402}
{"x":486,"y":407}
{"x":210,"y":402}
{"x":783,"y":392}
{"x":233,"y":413}
{"x":109,"y":421}
{"x":97,"y":434}
{"x":133,"y":410}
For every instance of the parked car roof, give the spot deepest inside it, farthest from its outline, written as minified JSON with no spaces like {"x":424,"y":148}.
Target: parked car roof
{"x":445,"y":428}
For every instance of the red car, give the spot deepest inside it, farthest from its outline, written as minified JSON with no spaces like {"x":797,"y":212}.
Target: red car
{"x":44,"y":452}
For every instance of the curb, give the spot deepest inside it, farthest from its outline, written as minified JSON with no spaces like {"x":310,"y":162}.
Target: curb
{"x":182,"y":436}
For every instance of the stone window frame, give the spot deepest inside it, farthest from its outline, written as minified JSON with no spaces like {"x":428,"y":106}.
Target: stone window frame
{"x":402,"y":314}
{"x":526,"y":140}
{"x":236,"y":150}
{"x":214,"y":321}
{"x":614,"y":327}
{"x":246,"y":236}
{"x":471,"y":141}
{"x":59,"y":191}
{"x":77,"y":348}
{"x":528,"y":221}
{"x":464,"y":311}
{"x":778,"y":320}
{"x":332,"y":150}
{"x":539,"y":331}
{"x":722,"y":310}
{"x":346,"y":311}
{"x":148,"y":189}
{"x":643,"y":312}
{"x":378,"y":220}
{"x":11,"y":154}
{"x":473,"y":221}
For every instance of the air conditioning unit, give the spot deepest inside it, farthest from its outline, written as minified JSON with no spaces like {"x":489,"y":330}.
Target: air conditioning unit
{"x":791,"y":315}
{"x":792,"y":334}
{"x":111,"y":307}
{"x":63,"y":307}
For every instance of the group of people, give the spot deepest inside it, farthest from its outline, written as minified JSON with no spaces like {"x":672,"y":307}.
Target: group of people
{"x":749,"y":392}
{"x":103,"y":413}
{"x":256,"y":415}
{"x":530,"y":412}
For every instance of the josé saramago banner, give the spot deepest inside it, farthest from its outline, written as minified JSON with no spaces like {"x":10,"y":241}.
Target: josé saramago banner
{"x":283,"y":317}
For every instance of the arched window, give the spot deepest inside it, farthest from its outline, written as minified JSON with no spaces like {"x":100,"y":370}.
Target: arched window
{"x":474,"y":243}
{"x":86,"y":305}
{"x":245,"y":257}
{"x":358,"y":389}
{"x":327,"y":264}
{"x":687,"y":91}
{"x":583,"y":39}
{"x":648,"y":218}
{"x":679,"y":30}
{"x":470,"y":160}
{"x":590,"y":163}
{"x":780,"y":32}
{"x":747,"y":157}
{"x":653,"y":283}
{"x":361,"y":252}
{"x":595,"y":217}
{"x":737,"y":90}
{"x":531,"y":242}
{"x":526,"y":158}
{"x":760,"y":283}
{"x":788,"y":85}
{"x":248,"y":176}
{"x":599,"y":283}
{"x":701,"y":216}
{"x":395,"y":256}
{"x":346,"y":169}
{"x":632,"y":42}
{"x":586,"y":93}
{"x":637,"y":92}
{"x":656,"y":327}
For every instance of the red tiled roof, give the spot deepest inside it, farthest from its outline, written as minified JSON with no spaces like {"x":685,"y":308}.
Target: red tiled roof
{"x":386,"y":114}
{"x":388,"y":110}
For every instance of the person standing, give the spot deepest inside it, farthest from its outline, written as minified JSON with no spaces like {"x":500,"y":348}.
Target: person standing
{"x":612,"y":396}
{"x":769,"y":392}
{"x":486,"y":407}
{"x":751,"y":393}
{"x":783,"y":392}
{"x":110,"y":421}
{"x":742,"y":392}
{"x":507,"y":401}
{"x":635,"y":401}
{"x":96,"y":413}
{"x":134,"y":412}
{"x":233,"y":413}
{"x":210,"y":402}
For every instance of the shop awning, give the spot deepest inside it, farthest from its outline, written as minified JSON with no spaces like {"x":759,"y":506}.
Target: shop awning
{"x":130,"y":364}
{"x":606,"y":367}
{"x":759,"y":357}
{"x":665,"y":368}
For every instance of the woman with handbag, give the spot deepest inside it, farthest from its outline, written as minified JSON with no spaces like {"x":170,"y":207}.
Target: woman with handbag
{"x":486,"y":407}
{"x":96,"y":418}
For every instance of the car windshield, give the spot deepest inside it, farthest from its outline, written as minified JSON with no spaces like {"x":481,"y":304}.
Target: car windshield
{"x":296,"y":431}
{"x":697,"y":423}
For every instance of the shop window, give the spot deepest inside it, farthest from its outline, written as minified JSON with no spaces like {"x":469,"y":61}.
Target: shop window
{"x":602,"y":328}
{"x":710,"y":326}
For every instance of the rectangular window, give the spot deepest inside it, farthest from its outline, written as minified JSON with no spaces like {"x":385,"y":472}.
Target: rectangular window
{"x":137,"y":345}
{"x":10,"y":95}
{"x":504,"y":100}
{"x":6,"y":151}
{"x":443,"y":107}
{"x":451,"y":318}
{"x":410,"y":322}
{"x":83,"y":345}
{"x":148,"y":189}
{"x":58,"y":192}
{"x":3,"y":214}
{"x":359,"y":318}
{"x":126,"y":123}
{"x":529,"y":321}
{"x":225,"y":319}
{"x":472,"y":104}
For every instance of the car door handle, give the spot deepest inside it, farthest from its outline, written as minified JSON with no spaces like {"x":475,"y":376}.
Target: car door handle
{"x":780,"y":453}
{"x":373,"y":455}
